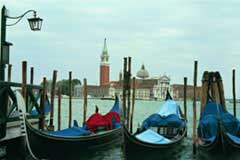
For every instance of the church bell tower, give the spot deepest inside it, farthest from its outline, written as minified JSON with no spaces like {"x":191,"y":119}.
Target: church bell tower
{"x":104,"y":66}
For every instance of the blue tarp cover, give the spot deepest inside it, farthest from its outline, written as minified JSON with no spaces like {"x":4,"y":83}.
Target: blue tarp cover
{"x":234,"y":138}
{"x":169,"y":107}
{"x":212,"y":115}
{"x":168,"y":115}
{"x":152,"y":137}
{"x":74,"y":131}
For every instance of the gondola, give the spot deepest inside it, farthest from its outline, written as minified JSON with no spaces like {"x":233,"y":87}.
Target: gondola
{"x":67,"y":144}
{"x":163,"y":140}
{"x":218,"y":130}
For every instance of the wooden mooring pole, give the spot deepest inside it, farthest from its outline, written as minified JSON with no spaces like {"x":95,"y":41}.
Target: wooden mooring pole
{"x":59,"y":107}
{"x":31,"y":75}
{"x":185,"y":99}
{"x":24,"y":80}
{"x":70,"y":100}
{"x":133,"y":103}
{"x":129,"y":92}
{"x":124,"y":89}
{"x":9,"y":80}
{"x":84,"y":100}
{"x":194,"y":105}
{"x":54,"y":79}
{"x":221,"y":89}
{"x":42,"y":105}
{"x":234,"y":93}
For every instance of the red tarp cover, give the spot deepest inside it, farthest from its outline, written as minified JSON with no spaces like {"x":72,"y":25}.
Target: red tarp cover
{"x":105,"y":121}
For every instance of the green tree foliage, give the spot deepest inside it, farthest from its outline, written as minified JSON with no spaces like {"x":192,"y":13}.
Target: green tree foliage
{"x":63,"y":84}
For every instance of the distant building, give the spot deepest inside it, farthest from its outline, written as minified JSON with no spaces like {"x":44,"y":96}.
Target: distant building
{"x":178,"y":91}
{"x":77,"y":90}
{"x":146,"y":88}
{"x":161,"y":88}
{"x":104,"y":66}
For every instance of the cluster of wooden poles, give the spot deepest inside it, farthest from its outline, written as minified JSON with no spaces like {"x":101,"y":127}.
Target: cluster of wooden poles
{"x":44,"y":97}
{"x":217,"y":92}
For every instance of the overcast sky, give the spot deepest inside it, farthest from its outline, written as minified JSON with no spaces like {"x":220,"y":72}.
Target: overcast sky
{"x":166,"y":35}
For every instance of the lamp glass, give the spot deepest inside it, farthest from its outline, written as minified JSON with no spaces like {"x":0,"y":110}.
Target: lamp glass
{"x":35,"y":23}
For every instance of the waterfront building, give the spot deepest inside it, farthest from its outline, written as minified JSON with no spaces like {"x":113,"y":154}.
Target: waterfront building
{"x":177,"y":91}
{"x":104,"y":66}
{"x":77,"y":90}
{"x":146,"y":88}
{"x":161,"y":88}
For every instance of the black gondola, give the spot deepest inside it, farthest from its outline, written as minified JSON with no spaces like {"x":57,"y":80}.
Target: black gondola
{"x":218,"y":130}
{"x":135,"y":148}
{"x":45,"y":145}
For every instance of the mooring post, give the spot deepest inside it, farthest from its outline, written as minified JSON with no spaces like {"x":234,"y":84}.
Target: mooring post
{"x":59,"y":108}
{"x":70,"y":100}
{"x":129,"y":92}
{"x":204,"y":90}
{"x":234,"y":93}
{"x":221,"y":89}
{"x":185,"y":100}
{"x":124,"y":89}
{"x":84,"y":100}
{"x":194,"y":105}
{"x":9,"y":80}
{"x":24,"y":80}
{"x":31,"y":75}
{"x":42,"y":105}
{"x":133,"y":103}
{"x":9,"y":72}
{"x":54,"y":79}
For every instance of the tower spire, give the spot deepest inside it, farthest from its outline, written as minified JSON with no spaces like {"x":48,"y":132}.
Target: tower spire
{"x":105,"y":46}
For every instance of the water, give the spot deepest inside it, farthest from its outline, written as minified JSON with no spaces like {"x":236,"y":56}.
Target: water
{"x":142,"y":110}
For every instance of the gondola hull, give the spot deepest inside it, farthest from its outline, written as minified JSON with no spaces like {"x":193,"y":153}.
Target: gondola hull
{"x":134,"y":148}
{"x":222,"y":147}
{"x":56,"y":148}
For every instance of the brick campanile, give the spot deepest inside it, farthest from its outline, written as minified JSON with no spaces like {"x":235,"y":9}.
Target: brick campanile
{"x":104,"y":66}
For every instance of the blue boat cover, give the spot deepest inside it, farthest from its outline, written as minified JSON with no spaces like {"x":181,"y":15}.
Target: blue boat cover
{"x":71,"y":132}
{"x":212,"y":115}
{"x":234,"y":138}
{"x":168,"y":115}
{"x":169,"y":107}
{"x":152,"y":137}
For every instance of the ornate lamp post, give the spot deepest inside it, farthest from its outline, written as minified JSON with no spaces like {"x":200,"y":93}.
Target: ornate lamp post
{"x":35,"y":24}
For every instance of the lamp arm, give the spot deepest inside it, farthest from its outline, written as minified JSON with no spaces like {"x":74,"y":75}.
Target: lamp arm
{"x":21,"y":16}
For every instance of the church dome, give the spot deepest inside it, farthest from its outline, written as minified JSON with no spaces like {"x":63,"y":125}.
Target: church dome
{"x":142,"y":73}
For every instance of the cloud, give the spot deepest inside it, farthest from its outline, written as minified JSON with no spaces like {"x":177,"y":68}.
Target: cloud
{"x":166,"y":35}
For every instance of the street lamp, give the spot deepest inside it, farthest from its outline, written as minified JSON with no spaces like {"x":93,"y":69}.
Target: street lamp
{"x":35,"y":24}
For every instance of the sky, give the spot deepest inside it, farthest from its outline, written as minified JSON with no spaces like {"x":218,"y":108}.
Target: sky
{"x":166,"y":35}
